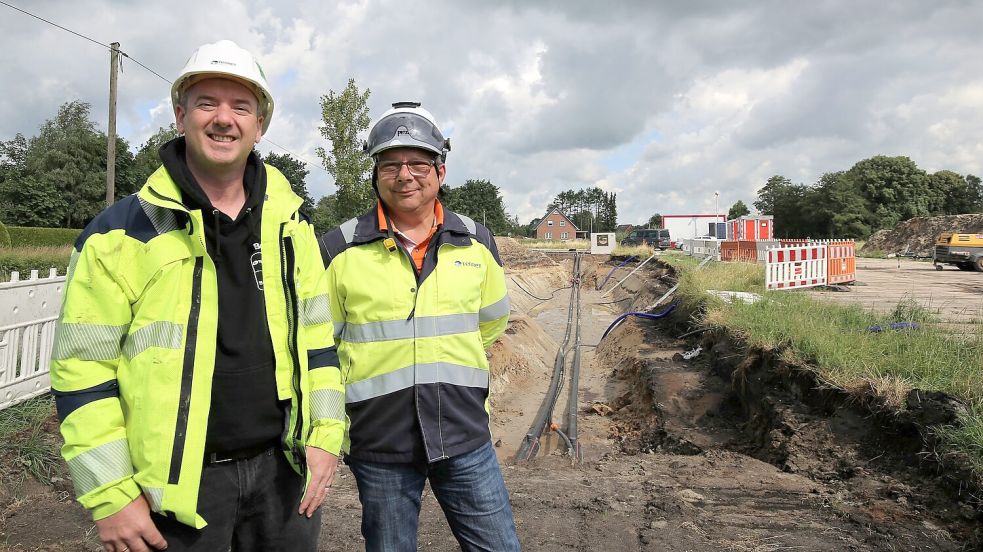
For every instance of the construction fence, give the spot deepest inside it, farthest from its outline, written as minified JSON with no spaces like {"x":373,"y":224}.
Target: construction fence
{"x":30,"y":309}
{"x":789,"y":263}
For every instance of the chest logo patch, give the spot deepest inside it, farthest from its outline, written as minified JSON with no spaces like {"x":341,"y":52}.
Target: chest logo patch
{"x":468,"y":264}
{"x":256,"y":261}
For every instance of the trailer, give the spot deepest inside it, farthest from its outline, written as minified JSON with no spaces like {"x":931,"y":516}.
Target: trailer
{"x":964,"y":251}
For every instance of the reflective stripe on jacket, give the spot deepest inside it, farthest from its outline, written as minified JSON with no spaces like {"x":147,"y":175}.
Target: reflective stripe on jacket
{"x":134,"y":349}
{"x":411,"y":344}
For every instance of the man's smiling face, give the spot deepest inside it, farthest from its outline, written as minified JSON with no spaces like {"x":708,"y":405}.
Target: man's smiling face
{"x":220,"y":120}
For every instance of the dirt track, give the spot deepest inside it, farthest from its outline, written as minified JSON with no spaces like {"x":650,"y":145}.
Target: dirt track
{"x":678,"y":461}
{"x":955,"y":295}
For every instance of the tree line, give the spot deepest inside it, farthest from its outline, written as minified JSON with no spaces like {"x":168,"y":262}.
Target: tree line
{"x":57,"y":178}
{"x":875,"y":194}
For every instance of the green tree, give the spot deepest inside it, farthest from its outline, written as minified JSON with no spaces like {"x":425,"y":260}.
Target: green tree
{"x":893,"y":188}
{"x":295,"y":171}
{"x":655,"y":221}
{"x":345,"y":115}
{"x":774,"y":191}
{"x":147,"y":160}
{"x":591,"y":209}
{"x":64,"y":181}
{"x":323,"y":217}
{"x":737,"y":210}
{"x":482,"y":201}
{"x":953,"y":194}
{"x":834,"y":209}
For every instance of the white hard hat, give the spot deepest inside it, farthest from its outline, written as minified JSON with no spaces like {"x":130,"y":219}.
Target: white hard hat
{"x":226,"y":58}
{"x":406,"y":125}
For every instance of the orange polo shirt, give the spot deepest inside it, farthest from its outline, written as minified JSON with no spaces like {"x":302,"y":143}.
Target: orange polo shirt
{"x":419,"y":250}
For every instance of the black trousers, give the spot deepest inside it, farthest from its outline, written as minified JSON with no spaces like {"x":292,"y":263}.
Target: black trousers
{"x":249,"y":505}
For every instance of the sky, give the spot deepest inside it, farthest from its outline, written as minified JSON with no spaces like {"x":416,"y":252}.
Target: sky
{"x":666,"y":104}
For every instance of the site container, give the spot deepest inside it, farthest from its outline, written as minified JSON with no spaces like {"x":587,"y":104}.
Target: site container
{"x":751,"y":228}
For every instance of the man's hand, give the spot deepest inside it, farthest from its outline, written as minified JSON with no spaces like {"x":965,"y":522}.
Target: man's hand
{"x":130,"y":529}
{"x":322,"y":465}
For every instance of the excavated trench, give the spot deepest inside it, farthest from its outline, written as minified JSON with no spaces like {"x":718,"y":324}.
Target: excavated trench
{"x":695,"y":444}
{"x":780,"y":459}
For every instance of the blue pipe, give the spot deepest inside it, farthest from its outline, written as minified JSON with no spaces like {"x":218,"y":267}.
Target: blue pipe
{"x":608,"y":277}
{"x":646,"y":315}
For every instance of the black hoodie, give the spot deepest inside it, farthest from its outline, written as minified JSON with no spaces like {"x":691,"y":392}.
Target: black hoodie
{"x":245,"y":412}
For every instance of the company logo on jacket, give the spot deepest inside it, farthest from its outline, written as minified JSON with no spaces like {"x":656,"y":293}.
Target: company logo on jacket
{"x":468,"y":264}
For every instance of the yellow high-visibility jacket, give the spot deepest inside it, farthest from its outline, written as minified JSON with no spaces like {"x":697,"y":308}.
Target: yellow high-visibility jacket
{"x":134,"y":351}
{"x":411,"y":344}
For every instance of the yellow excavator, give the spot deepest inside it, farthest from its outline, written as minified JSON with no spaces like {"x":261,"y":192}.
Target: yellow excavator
{"x":965,"y":251}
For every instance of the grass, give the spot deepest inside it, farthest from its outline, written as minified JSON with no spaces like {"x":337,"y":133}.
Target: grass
{"x":641,"y":251}
{"x":546,"y":244}
{"x":27,"y":439}
{"x":836,"y":340}
{"x":26,"y":259}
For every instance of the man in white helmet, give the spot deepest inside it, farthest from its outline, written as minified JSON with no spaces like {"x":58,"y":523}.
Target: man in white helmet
{"x":194,"y":369}
{"x":417,"y":296}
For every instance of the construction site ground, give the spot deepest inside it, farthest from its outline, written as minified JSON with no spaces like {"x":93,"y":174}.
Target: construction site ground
{"x":951,"y":294}
{"x":676,"y":456}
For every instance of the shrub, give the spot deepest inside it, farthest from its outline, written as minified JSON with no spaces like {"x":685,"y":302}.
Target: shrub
{"x":23,"y":236}
{"x":26,"y":259}
{"x":4,"y":236}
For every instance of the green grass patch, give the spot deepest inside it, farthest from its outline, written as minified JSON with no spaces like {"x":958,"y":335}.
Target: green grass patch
{"x":24,"y":236}
{"x":966,"y":438}
{"x":26,"y":259}
{"x":546,"y":244}
{"x":28,"y":441}
{"x":836,"y":340}
{"x":4,"y":236}
{"x":641,"y":251}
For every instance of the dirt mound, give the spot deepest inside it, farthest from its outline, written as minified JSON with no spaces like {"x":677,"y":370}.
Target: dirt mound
{"x":916,"y":236}
{"x":515,"y":256}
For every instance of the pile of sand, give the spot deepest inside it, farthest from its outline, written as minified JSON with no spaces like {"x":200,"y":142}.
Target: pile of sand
{"x":916,"y":236}
{"x":515,"y":256}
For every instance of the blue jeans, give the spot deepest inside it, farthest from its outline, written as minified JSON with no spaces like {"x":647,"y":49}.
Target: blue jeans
{"x":469,"y":488}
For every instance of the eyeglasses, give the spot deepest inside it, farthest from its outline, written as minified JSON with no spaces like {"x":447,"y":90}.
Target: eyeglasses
{"x":417,"y":167}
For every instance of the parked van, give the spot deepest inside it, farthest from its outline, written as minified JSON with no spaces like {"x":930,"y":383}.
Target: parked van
{"x":654,"y":237}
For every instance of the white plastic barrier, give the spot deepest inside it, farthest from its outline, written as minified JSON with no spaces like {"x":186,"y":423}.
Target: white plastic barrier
{"x":28,"y":311}
{"x":602,"y":243}
{"x":702,"y":248}
{"x":796,"y":266}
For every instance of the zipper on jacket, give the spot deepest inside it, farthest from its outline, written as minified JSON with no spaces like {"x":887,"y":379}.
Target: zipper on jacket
{"x":289,"y":291}
{"x":187,"y":373}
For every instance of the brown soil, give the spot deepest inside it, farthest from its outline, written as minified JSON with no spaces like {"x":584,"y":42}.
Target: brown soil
{"x":916,"y":237}
{"x":729,"y":450}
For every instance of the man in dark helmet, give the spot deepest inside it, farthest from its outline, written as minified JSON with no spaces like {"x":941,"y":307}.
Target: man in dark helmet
{"x":417,"y":297}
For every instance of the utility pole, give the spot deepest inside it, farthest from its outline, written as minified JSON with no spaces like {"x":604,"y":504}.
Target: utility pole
{"x":111,"y":141}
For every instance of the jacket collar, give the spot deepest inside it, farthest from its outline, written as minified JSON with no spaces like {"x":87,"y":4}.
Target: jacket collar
{"x":453,"y":230}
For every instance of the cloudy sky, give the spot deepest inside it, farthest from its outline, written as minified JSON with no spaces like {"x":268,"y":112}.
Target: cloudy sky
{"x":664,"y":103}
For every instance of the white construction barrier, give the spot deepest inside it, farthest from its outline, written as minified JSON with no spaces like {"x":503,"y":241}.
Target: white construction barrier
{"x":602,"y":243}
{"x":28,"y":311}
{"x":702,"y":248}
{"x":796,"y":266}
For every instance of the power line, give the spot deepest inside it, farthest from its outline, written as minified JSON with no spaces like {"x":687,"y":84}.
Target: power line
{"x":134,"y":60}
{"x":80,"y":35}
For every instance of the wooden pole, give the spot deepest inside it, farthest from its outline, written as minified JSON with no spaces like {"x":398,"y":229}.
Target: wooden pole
{"x":111,"y":141}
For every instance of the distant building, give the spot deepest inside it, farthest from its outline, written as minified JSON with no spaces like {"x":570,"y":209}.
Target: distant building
{"x":556,"y":226}
{"x":687,"y":227}
{"x":623,"y":229}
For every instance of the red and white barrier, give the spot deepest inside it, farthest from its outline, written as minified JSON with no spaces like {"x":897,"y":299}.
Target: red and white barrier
{"x":796,"y":266}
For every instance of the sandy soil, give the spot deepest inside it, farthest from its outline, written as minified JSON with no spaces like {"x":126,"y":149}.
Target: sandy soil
{"x":955,"y":295}
{"x":676,"y":456}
